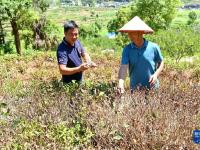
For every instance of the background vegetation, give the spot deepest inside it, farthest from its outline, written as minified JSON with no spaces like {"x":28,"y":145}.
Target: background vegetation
{"x":37,"y":112}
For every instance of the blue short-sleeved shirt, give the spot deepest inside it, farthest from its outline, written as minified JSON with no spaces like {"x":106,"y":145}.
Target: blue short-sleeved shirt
{"x":142,"y":63}
{"x":71,"y":57}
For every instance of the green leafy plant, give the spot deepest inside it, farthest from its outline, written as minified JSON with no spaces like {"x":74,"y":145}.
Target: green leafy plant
{"x":192,"y":17}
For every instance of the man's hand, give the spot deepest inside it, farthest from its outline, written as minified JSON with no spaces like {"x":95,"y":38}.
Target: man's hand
{"x":153,"y":79}
{"x":120,"y":89}
{"x":92,"y":64}
{"x":83,"y":67}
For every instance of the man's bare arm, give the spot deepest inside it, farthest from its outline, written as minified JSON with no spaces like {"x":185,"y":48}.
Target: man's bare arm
{"x":121,"y":76}
{"x":69,"y":71}
{"x":160,"y":68}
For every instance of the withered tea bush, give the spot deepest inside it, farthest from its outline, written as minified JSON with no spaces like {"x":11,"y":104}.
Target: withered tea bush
{"x":38,"y":112}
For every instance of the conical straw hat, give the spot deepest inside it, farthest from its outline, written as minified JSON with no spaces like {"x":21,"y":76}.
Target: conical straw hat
{"x":136,"y":24}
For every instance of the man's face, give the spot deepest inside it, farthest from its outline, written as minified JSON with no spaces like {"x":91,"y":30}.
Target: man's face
{"x":135,"y":35}
{"x":71,"y":35}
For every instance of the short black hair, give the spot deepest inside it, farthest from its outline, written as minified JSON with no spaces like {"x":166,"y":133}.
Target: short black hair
{"x":70,"y":25}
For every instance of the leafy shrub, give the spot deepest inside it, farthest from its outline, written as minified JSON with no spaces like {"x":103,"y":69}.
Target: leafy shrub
{"x":27,"y":36}
{"x":6,"y":48}
{"x":192,"y":17}
{"x":89,"y":31}
{"x":78,"y":134}
{"x":45,"y":34}
{"x":177,"y":43}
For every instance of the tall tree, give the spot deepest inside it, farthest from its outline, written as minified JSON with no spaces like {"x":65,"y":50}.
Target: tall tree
{"x":14,"y":11}
{"x":156,"y":13}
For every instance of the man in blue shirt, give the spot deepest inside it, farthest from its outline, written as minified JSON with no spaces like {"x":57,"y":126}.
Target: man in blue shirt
{"x":69,"y":54}
{"x":143,"y":58}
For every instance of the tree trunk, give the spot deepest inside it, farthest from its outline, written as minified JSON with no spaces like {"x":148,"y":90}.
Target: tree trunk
{"x":16,"y":35}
